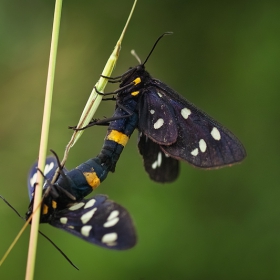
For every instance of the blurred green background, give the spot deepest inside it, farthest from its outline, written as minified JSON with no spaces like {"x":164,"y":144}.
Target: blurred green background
{"x":224,"y":56}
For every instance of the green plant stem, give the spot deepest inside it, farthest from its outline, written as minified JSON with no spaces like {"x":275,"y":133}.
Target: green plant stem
{"x":30,"y":268}
{"x":95,"y":98}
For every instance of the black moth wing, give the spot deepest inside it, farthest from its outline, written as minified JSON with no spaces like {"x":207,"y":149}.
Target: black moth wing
{"x":156,"y":117}
{"x":99,"y":221}
{"x":160,"y":166}
{"x":201,"y":140}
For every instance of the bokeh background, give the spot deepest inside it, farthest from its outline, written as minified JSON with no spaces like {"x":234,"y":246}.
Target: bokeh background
{"x":224,"y":56}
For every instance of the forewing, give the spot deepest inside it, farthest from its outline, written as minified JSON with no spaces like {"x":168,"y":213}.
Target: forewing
{"x":160,"y":166}
{"x":201,"y":140}
{"x":49,"y":171}
{"x":156,"y":117}
{"x":99,"y":221}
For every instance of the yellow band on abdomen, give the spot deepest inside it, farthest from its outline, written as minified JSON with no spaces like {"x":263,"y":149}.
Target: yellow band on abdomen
{"x":92,"y":179}
{"x":118,"y":137}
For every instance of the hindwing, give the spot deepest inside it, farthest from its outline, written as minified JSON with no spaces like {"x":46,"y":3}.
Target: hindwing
{"x":159,"y":165}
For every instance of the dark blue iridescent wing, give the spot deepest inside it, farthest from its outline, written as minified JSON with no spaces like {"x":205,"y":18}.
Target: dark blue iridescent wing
{"x":49,"y":171}
{"x":157,"y":117}
{"x":99,"y":221}
{"x":200,"y":140}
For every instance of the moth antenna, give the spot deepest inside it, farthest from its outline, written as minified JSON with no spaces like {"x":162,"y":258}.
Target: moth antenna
{"x":72,"y":197}
{"x":12,"y":207}
{"x":151,"y":51}
{"x":20,"y":232}
{"x":59,"y":169}
{"x":61,"y":252}
{"x":57,"y":160}
{"x":49,"y":184}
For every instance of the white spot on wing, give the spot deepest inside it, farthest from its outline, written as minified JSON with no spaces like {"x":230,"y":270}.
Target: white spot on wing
{"x":113,"y":215}
{"x":63,"y":220}
{"x":109,"y":238}
{"x":48,"y":168}
{"x":185,"y":113}
{"x":159,"y":159}
{"x":159,"y":123}
{"x":154,"y":165}
{"x":85,"y":230}
{"x":90,"y":203}
{"x":33,"y":180}
{"x":111,"y":222}
{"x":112,"y":219}
{"x":159,"y":94}
{"x":152,"y":111}
{"x":158,"y":162}
{"x":202,"y":145}
{"x":194,"y":152}
{"x":87,"y":216}
{"x":216,"y":133}
{"x":76,"y":206}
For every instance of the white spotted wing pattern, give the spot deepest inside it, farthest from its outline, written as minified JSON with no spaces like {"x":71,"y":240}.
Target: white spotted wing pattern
{"x":182,"y":131}
{"x":99,"y":221}
{"x":171,"y":128}
{"x":49,"y":171}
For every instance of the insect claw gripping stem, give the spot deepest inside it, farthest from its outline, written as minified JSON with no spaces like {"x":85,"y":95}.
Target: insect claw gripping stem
{"x":109,"y":99}
{"x":106,"y":121}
